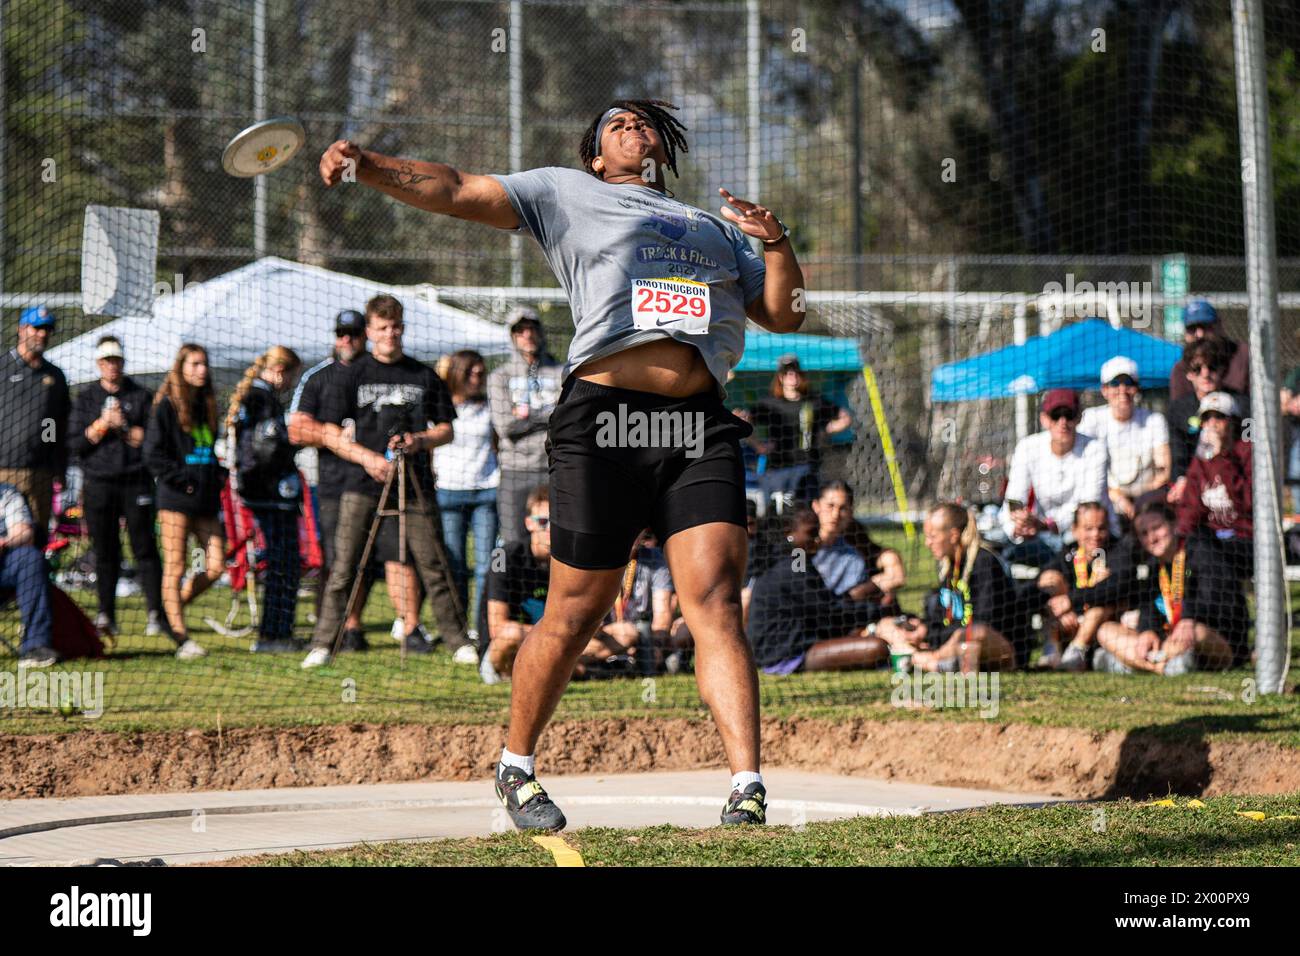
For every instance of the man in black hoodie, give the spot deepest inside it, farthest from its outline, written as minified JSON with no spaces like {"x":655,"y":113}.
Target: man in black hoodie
{"x":105,"y":432}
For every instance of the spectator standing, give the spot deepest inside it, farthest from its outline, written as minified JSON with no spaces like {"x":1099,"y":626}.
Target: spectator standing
{"x":396,"y":403}
{"x":1192,"y":615}
{"x":1052,"y":472}
{"x":23,"y":570}
{"x":1136,"y":439}
{"x":179,"y":450}
{"x":468,"y":475}
{"x":320,"y":399}
{"x":797,"y":423}
{"x":523,"y":392}
{"x":1218,"y":494}
{"x":36,"y":403}
{"x":1200,"y":323}
{"x":106,"y":433}
{"x":266,"y":477}
{"x":516,"y":589}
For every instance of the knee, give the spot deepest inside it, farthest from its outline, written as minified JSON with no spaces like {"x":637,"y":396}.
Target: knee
{"x":26,"y":560}
{"x":720,"y":601}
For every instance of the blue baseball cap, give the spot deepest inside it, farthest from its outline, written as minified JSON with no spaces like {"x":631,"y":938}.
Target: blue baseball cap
{"x":38,"y":316}
{"x":1199,"y":312}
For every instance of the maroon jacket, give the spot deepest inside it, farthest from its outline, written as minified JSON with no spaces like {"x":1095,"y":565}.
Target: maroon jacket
{"x":1237,"y":380}
{"x":1218,"y":493}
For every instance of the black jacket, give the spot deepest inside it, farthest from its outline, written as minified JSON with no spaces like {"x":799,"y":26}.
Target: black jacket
{"x":32,"y":401}
{"x":265,"y":471}
{"x":791,"y":610}
{"x":189,"y":477}
{"x":995,"y":600}
{"x":112,"y":459}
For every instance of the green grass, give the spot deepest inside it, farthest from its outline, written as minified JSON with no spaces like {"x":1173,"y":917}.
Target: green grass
{"x":146,"y":689}
{"x":1123,"y":833}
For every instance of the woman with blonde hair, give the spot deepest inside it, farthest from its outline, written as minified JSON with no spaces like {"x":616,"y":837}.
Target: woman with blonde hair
{"x":266,"y":478}
{"x":179,"y":452}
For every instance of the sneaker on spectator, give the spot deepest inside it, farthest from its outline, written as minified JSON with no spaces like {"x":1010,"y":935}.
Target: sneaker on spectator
{"x":465,"y":654}
{"x":283,"y":645}
{"x":316,"y":657}
{"x":354,"y":639}
{"x":678,"y":662}
{"x":154,"y":625}
{"x":191,"y":650}
{"x":39,"y":657}
{"x":1106,"y":662}
{"x":105,"y":625}
{"x":487,"y":671}
{"x":1051,"y":655}
{"x":1074,"y":659}
{"x":399,"y":630}
{"x":417,"y":643}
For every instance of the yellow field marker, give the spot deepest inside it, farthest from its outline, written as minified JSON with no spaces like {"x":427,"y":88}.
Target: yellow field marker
{"x":564,"y":854}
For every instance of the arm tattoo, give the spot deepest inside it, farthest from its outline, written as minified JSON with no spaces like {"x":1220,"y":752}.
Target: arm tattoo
{"x":403,"y":178}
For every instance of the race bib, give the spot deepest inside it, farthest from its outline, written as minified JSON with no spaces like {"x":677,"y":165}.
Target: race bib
{"x":678,"y":304}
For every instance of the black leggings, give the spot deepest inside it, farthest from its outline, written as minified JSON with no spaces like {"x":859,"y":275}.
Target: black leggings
{"x":106,"y":503}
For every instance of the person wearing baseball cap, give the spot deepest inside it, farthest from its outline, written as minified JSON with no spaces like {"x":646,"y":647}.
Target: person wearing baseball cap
{"x":35,"y":398}
{"x":1200,"y":322}
{"x":1218,"y":495}
{"x":1136,"y":439}
{"x":317,"y":401}
{"x":105,"y":433}
{"x":1052,"y":472}
{"x":522,"y":393}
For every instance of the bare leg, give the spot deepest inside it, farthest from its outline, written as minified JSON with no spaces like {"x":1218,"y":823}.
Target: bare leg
{"x":208,"y":531}
{"x":984,"y":647}
{"x":852,"y":652}
{"x":402,"y":592}
{"x":576,"y":602}
{"x":175,"y":531}
{"x":1128,"y":646}
{"x":707,"y":562}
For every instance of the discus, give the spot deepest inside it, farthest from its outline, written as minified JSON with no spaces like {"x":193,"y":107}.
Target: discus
{"x":263,"y":147}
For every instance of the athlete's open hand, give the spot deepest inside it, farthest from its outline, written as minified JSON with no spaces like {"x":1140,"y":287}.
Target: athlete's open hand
{"x":751,"y":218}
{"x":341,"y":156}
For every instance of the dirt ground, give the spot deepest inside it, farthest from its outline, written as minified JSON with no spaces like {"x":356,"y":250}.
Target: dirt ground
{"x":1069,"y":763}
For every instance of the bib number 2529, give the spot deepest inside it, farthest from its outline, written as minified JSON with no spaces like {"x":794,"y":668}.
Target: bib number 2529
{"x":677,"y":304}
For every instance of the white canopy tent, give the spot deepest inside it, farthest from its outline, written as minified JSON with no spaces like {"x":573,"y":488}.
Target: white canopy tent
{"x":273,"y":301}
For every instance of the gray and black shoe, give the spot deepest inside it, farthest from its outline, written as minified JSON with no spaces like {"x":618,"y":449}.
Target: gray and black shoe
{"x":746,"y":806}
{"x":416,"y":644}
{"x":354,"y":639}
{"x":526,"y":802}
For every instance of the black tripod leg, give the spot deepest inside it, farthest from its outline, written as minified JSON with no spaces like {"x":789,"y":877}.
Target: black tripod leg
{"x":361,"y":567}
{"x":441,"y":553}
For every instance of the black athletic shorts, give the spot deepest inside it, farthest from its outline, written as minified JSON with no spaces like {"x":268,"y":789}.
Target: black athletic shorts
{"x":622,"y":460}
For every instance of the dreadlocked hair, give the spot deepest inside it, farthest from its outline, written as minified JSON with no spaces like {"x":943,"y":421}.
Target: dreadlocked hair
{"x":955,"y":516}
{"x":655,"y":112}
{"x":277,"y":356}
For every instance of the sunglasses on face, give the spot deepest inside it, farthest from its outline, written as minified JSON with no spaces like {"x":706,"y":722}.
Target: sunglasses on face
{"x":1206,"y":369}
{"x":1122,"y":381}
{"x":1062,"y":414}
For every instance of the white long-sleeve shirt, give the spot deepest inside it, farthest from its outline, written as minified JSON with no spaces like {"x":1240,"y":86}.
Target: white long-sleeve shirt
{"x":1060,"y":483}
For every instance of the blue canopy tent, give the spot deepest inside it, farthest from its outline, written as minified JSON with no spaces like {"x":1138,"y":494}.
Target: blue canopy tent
{"x":1070,"y":357}
{"x":817,"y":353}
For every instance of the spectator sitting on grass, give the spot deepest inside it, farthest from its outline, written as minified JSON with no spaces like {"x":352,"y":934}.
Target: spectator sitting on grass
{"x":1206,"y":362}
{"x":796,"y":623}
{"x":1218,"y":496}
{"x":516,"y":588}
{"x":1136,"y":439}
{"x":846,"y":555}
{"x":975,"y":619}
{"x":1052,"y":472}
{"x":642,"y":616}
{"x":1192,"y":616}
{"x":1083,"y":565}
{"x":23,"y":571}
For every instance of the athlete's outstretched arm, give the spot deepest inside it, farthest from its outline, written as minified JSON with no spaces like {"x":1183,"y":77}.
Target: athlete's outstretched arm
{"x":782,"y":306}
{"x":433,"y":187}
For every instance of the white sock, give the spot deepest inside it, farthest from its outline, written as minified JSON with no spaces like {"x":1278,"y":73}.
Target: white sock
{"x":743,"y":779}
{"x":514,"y":760}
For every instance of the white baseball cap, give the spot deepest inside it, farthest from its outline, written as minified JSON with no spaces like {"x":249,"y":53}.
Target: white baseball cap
{"x":106,"y":350}
{"x":1220,"y":402}
{"x":1119,"y":365}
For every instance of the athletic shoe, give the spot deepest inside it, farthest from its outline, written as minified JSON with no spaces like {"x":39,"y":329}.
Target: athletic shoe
{"x":398,"y":631}
{"x":354,"y":639}
{"x":105,"y":625}
{"x":316,"y":657}
{"x":487,"y":671}
{"x":1051,"y":655}
{"x":526,"y":802}
{"x":282,"y":645}
{"x":154,"y":625}
{"x":678,"y":662}
{"x":1184,"y":663}
{"x":191,"y":650}
{"x":1106,"y":662}
{"x":465,"y":654}
{"x":1074,"y":659}
{"x":39,"y":657}
{"x":416,"y":643}
{"x":746,"y":806}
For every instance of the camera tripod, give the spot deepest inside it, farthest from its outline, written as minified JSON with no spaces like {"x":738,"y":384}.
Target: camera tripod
{"x":398,"y":472}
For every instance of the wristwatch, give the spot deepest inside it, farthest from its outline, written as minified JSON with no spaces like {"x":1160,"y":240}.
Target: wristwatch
{"x":785,"y":232}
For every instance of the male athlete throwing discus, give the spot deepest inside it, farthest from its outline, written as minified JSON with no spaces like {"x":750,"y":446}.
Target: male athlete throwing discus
{"x":659,"y":292}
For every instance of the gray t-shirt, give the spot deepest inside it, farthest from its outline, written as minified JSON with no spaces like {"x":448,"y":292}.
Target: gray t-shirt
{"x":694,"y":272}
{"x":13,"y":510}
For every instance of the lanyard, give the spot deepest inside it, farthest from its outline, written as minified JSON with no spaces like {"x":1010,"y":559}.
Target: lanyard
{"x":1084,"y":577}
{"x":956,"y":588}
{"x":1172,"y":591}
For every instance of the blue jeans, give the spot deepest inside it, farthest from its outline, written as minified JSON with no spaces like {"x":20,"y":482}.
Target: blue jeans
{"x":280,"y":596}
{"x":463,"y":511}
{"x":23,"y":571}
{"x":796,"y":484}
